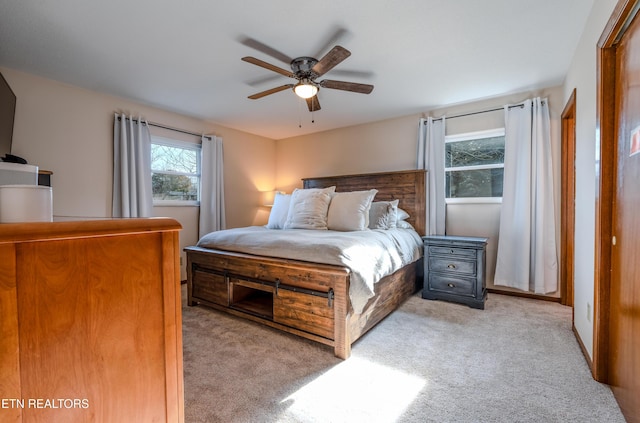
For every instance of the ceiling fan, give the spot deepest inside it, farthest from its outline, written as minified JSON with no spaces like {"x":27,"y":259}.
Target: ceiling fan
{"x":306,"y":70}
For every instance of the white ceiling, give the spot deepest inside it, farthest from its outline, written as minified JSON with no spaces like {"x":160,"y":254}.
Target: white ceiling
{"x":185,"y":55}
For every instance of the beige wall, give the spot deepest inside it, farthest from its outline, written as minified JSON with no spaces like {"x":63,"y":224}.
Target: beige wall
{"x":69,"y":131}
{"x":375,"y":147}
{"x":582,"y":78}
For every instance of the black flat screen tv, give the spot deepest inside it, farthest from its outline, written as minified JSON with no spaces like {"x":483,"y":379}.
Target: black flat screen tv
{"x":7,"y":115}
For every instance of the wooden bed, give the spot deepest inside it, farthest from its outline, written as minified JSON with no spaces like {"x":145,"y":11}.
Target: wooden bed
{"x":309,"y":299}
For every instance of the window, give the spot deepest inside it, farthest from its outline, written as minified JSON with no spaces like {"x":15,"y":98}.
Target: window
{"x":474,"y":164}
{"x":175,"y":172}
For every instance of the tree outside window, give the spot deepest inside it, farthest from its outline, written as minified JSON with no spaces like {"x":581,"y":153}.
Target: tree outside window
{"x":175,"y":171}
{"x":474,"y":164}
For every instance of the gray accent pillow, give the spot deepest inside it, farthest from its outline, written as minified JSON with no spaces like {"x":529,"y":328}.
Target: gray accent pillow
{"x":383,"y":214}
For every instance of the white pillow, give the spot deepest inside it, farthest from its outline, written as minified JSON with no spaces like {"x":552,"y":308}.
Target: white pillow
{"x":349,"y":211}
{"x":308,"y":208}
{"x":383,"y":214}
{"x":401,"y":221}
{"x":403,"y":224}
{"x":401,"y":215}
{"x":279,"y":211}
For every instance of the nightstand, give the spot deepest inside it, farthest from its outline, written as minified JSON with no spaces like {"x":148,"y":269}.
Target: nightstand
{"x":454,"y":269}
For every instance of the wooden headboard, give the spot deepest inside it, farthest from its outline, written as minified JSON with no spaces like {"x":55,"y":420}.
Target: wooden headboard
{"x":407,"y":186}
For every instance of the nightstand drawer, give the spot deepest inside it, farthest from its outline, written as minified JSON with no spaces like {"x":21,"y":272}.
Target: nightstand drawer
{"x":452,"y":251}
{"x":451,"y":285}
{"x":451,"y":265}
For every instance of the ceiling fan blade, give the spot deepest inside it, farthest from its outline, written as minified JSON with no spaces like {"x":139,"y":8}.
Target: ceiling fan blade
{"x":347,"y":86}
{"x":313,"y":104}
{"x":331,"y":59}
{"x":345,"y":73}
{"x":269,"y":78}
{"x":263,"y":48}
{"x":271,"y":91}
{"x":338,"y":35}
{"x":269,"y":66}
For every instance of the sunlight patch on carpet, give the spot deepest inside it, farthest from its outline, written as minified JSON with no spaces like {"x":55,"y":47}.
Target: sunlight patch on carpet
{"x":356,"y":390}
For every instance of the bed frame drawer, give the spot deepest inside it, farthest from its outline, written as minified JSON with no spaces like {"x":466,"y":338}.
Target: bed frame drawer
{"x":310,"y":313}
{"x":211,"y":286}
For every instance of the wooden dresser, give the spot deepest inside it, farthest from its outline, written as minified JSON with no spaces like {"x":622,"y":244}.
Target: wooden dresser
{"x":454,"y":269}
{"x":90,"y":322}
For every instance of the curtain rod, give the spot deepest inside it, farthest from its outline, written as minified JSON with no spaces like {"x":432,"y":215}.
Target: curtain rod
{"x":478,"y":112}
{"x":158,"y":125}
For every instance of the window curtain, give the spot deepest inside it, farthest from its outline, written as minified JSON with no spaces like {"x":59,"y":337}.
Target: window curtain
{"x":132,"y":196}
{"x":212,"y":217}
{"x":527,"y":257}
{"x":431,"y":157}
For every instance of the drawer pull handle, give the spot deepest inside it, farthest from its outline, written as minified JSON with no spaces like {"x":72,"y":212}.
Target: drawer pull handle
{"x":450,"y":285}
{"x":451,"y":266}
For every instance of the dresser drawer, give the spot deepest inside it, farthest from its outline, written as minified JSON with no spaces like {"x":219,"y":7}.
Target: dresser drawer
{"x":452,"y":251}
{"x":452,"y":265}
{"x":458,"y":286}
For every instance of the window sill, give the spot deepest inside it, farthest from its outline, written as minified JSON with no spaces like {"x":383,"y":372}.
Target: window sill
{"x":474,"y":200}
{"x":169,"y":203}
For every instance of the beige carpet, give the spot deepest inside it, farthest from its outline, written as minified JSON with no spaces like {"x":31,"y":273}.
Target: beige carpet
{"x":430,"y":361}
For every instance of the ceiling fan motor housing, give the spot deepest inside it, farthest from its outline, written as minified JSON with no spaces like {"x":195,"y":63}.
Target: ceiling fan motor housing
{"x":302,"y":66}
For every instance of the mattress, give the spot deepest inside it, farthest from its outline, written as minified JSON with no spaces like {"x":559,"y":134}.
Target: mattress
{"x":370,"y":255}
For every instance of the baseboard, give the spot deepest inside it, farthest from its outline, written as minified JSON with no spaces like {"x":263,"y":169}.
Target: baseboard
{"x":585,"y":352}
{"x":524,"y":295}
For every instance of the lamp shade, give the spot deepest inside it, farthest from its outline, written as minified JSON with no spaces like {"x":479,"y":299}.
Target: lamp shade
{"x":268,"y":197}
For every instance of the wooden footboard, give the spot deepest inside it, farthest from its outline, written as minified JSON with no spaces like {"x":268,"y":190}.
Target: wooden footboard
{"x":306,"y":299}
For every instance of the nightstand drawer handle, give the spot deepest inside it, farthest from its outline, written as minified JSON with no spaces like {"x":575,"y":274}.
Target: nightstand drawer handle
{"x":451,"y":266}
{"x":451,"y":285}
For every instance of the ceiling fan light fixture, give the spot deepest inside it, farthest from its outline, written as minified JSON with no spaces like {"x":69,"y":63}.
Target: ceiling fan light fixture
{"x":305,"y":89}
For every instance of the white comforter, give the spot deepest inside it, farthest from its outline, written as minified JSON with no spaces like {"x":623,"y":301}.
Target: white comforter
{"x":370,"y":254}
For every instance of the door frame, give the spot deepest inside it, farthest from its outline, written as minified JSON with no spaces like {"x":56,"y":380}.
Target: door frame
{"x":606,"y":168}
{"x":568,"y":200}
